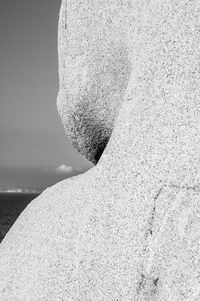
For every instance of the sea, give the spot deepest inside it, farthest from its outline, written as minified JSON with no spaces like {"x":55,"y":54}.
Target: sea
{"x":11,"y":205}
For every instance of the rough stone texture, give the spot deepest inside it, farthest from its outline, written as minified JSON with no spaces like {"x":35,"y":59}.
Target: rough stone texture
{"x":129,"y":228}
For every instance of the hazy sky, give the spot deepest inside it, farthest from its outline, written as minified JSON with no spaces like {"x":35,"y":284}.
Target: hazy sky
{"x":31,"y":133}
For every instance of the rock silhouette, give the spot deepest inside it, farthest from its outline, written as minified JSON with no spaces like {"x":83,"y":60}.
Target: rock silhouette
{"x":127,"y":229}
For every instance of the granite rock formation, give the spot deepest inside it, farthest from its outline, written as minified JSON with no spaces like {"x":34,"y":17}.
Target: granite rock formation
{"x":129,"y":228}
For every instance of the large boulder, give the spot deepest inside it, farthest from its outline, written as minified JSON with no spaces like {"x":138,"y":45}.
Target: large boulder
{"x":95,"y":68}
{"x":129,"y":228}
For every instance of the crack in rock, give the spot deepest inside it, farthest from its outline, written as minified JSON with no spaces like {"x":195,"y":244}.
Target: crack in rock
{"x":151,"y":219}
{"x":140,"y":285}
{"x":196,"y":188}
{"x":155,"y":281}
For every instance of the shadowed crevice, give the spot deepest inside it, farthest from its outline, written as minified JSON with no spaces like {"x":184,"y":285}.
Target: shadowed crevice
{"x":100,"y":149}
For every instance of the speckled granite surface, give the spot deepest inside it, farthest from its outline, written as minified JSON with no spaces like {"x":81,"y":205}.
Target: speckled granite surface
{"x":129,"y":228}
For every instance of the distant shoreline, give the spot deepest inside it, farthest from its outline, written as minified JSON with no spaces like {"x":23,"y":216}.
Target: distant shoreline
{"x":21,"y":192}
{"x":13,"y":189}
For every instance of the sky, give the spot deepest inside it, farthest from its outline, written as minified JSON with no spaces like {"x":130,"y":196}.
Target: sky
{"x":34,"y":150}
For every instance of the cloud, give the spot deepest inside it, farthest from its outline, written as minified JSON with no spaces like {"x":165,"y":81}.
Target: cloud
{"x":64,"y":169}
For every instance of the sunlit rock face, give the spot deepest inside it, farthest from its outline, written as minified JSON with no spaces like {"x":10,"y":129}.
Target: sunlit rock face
{"x":128,"y":229}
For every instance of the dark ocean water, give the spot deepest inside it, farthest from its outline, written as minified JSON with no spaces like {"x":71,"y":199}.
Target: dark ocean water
{"x":11,"y":205}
